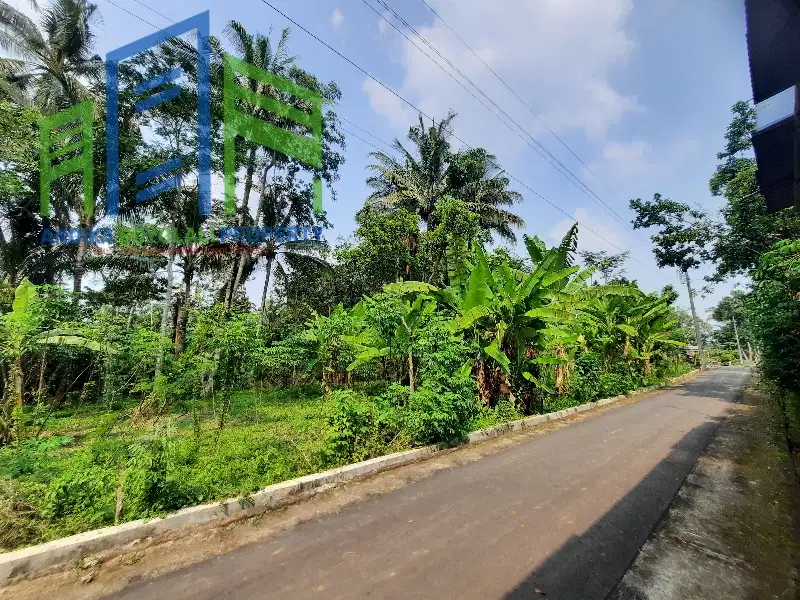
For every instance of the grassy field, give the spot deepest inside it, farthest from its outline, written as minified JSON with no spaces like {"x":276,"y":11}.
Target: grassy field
{"x":92,"y":467}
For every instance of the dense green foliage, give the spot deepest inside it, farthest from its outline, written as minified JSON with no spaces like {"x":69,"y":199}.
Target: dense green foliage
{"x":155,"y":383}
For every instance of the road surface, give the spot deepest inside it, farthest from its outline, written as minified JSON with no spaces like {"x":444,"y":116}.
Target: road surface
{"x":563,"y":514}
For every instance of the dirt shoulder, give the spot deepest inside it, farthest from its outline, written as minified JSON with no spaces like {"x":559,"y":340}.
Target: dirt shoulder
{"x":731,"y":531}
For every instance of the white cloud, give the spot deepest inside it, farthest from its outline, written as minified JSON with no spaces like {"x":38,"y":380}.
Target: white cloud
{"x":337,"y":18}
{"x":601,"y":236}
{"x":383,"y":102}
{"x":383,"y":25}
{"x":639,"y":159}
{"x":557,"y":54}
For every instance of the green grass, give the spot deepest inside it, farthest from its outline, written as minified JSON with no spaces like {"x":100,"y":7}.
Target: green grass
{"x":67,"y":480}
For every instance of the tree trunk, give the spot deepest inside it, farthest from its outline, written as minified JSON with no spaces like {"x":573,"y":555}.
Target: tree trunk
{"x":183,"y":313}
{"x":167,"y":308}
{"x":80,"y":267}
{"x":738,"y":344}
{"x":484,"y":385}
{"x":16,"y":381}
{"x":698,"y":338}
{"x":266,"y":286}
{"x":238,"y":267}
{"x":42,"y":369}
{"x":245,"y":256}
{"x":411,"y":370}
{"x":561,"y":371}
{"x":648,"y":367}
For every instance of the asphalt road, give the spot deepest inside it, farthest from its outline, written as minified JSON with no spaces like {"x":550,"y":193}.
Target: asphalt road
{"x":563,"y":514}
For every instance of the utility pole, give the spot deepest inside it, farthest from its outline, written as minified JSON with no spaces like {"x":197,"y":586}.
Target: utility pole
{"x":738,"y":345}
{"x":696,"y":321}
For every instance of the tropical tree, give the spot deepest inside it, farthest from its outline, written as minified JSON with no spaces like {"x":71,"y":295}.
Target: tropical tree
{"x":425,"y":175}
{"x":655,"y":329}
{"x":518,"y":320}
{"x":610,"y":266}
{"x":258,"y":50}
{"x":681,"y":242}
{"x":52,"y":65}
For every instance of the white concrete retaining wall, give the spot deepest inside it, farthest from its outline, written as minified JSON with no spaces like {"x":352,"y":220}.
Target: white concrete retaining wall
{"x":36,"y":559}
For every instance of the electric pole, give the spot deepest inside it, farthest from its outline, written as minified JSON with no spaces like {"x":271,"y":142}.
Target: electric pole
{"x":738,"y":345}
{"x":696,"y":321}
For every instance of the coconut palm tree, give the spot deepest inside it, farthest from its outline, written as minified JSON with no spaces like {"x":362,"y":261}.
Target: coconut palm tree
{"x":424,"y":176}
{"x":50,"y":66}
{"x":284,"y":204}
{"x":257,"y":50}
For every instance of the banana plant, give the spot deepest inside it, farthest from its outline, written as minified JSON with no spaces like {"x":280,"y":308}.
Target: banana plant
{"x":19,"y":336}
{"x":18,"y":327}
{"x":655,"y":334}
{"x":418,"y":304}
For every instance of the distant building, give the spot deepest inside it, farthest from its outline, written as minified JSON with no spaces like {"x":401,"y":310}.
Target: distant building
{"x":773,"y":45}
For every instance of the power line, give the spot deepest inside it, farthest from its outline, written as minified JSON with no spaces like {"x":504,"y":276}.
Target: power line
{"x":525,"y":104}
{"x":420,"y":111}
{"x":361,"y":139}
{"x":153,"y":10}
{"x":131,"y":14}
{"x":416,"y":109}
{"x":336,"y":103}
{"x":536,"y":146}
{"x":389,"y":146}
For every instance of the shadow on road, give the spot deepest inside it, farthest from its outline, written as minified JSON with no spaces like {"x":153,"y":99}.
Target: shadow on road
{"x":588,"y":566}
{"x":718,"y":388}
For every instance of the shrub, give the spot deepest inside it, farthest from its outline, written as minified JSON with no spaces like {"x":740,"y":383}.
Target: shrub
{"x":20,"y":521}
{"x":360,"y":427}
{"x":585,"y":384}
{"x":82,"y":496}
{"x":440,"y":352}
{"x":438,"y":413}
{"x":616,"y":383}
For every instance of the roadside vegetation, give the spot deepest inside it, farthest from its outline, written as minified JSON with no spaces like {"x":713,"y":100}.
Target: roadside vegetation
{"x":135,"y":384}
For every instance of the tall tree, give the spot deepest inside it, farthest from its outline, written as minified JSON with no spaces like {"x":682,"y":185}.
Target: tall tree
{"x":681,"y":242}
{"x":53,"y":67}
{"x":50,"y":66}
{"x":748,"y":230}
{"x":734,"y":331}
{"x":610,"y":266}
{"x":257,"y":50}
{"x":430,"y":171}
{"x":265,"y":165}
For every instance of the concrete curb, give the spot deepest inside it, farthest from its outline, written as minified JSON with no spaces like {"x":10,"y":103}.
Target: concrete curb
{"x":36,"y":559}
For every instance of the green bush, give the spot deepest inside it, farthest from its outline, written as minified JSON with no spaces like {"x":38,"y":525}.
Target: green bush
{"x":585,"y":384}
{"x":81,"y":497}
{"x":438,"y":413}
{"x":617,"y":383}
{"x":360,"y":427}
{"x":20,"y":520}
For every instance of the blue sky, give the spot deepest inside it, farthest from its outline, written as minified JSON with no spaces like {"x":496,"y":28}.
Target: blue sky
{"x":640,"y":91}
